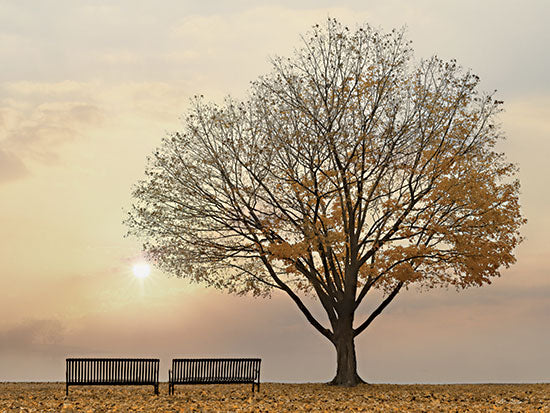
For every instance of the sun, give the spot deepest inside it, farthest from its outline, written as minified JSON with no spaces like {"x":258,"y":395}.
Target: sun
{"x":141,"y":270}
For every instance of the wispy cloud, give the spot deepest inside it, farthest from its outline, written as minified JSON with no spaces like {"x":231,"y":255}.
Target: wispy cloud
{"x":37,"y":119}
{"x":37,"y":336}
{"x":11,"y":167}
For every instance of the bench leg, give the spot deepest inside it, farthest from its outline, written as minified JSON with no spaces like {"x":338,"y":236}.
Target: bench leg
{"x":156,"y":389}
{"x":67,"y":390}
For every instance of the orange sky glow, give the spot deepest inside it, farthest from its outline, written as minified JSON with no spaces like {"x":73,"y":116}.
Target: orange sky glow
{"x":87,"y":91}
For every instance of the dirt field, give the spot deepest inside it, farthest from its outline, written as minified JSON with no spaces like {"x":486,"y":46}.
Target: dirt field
{"x":274,"y":397}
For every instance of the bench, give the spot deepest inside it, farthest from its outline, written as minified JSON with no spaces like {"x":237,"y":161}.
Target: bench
{"x":214,"y":371}
{"x":112,"y":371}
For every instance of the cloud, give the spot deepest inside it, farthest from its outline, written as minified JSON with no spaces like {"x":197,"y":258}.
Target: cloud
{"x":35,"y":336}
{"x":37,"y":119}
{"x":11,"y":167}
{"x":35,"y":349}
{"x":50,"y":125}
{"x":46,"y":90}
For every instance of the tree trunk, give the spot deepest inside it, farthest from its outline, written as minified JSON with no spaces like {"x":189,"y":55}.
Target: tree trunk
{"x":346,"y":362}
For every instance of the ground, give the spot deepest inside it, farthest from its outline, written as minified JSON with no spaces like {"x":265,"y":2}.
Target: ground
{"x":275,"y":397}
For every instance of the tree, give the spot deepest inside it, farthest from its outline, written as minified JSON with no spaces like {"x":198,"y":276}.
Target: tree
{"x":347,"y":169}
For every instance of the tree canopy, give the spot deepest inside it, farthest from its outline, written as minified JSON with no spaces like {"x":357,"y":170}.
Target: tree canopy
{"x":349,"y":168}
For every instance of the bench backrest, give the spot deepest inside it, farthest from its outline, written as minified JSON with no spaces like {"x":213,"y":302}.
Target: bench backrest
{"x":205,"y":370}
{"x":112,"y":370}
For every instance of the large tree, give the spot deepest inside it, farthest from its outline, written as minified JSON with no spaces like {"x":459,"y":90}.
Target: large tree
{"x":349,"y":168}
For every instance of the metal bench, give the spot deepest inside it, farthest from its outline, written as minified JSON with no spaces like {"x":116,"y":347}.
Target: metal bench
{"x":112,"y":371}
{"x":214,"y":371}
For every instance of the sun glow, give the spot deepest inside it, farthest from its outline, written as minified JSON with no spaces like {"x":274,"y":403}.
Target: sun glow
{"x":141,"y":270}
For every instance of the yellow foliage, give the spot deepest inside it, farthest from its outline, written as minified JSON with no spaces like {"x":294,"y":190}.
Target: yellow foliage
{"x":275,"y":397}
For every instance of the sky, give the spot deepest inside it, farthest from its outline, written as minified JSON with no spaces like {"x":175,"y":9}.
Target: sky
{"x":87,"y":91}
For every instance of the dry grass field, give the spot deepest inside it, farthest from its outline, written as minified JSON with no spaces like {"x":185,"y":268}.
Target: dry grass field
{"x":275,"y":397}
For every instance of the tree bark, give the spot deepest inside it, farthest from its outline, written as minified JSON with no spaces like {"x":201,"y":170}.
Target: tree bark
{"x":346,"y":361}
